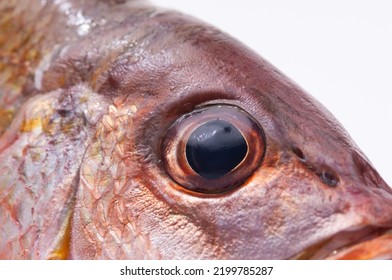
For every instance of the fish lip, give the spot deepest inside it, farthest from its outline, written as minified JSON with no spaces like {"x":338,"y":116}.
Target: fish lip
{"x":379,"y":248}
{"x":343,"y":241}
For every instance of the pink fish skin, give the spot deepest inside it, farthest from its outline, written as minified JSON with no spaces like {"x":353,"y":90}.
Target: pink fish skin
{"x":92,"y":162}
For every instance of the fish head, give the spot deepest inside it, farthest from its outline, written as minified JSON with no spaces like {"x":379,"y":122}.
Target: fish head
{"x":286,"y":180}
{"x":303,"y":189}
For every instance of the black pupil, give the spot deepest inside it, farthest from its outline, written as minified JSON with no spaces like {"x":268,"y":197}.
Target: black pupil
{"x":215,"y":148}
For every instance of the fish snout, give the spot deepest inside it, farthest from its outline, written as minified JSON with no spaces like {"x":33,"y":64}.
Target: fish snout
{"x":373,"y":239}
{"x":367,"y":173}
{"x":363,"y":202}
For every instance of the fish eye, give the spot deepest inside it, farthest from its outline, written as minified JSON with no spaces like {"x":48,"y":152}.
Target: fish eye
{"x":213,"y":149}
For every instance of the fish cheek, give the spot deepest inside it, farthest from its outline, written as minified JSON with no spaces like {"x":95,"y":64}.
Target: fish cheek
{"x":121,"y":212}
{"x":118,"y":213}
{"x":102,"y":228}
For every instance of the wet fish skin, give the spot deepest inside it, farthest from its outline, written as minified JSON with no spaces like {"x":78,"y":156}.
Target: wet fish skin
{"x":95,"y":87}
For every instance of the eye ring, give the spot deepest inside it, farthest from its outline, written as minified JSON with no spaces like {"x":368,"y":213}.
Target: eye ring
{"x":174,"y":149}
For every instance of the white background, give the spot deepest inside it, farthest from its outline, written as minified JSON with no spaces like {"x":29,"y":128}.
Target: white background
{"x":339,"y":51}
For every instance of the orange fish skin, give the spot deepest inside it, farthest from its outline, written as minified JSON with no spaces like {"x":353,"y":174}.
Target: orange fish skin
{"x":89,"y":89}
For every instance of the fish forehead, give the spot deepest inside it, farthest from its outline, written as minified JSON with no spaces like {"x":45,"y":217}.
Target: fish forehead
{"x":125,"y":204}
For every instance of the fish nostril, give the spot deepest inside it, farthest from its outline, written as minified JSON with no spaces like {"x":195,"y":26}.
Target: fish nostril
{"x":329,"y":178}
{"x":326,"y":175}
{"x":298,"y":152}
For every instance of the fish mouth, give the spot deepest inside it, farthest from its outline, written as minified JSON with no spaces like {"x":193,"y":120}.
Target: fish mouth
{"x":365,"y":243}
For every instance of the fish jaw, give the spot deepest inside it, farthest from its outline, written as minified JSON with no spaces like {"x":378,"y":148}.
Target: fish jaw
{"x":365,"y":243}
{"x":379,"y":248}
